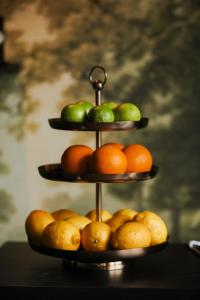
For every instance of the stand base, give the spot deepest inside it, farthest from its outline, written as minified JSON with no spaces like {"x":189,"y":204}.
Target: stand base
{"x":108,"y":266}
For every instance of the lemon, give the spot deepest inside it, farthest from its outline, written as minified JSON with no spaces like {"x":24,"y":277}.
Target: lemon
{"x":131,"y":235}
{"x":63,"y":214}
{"x":155,"y":224}
{"x":126,"y":212}
{"x":105,"y":215}
{"x":61,"y":235}
{"x":96,"y":237}
{"x":116,"y":221}
{"x":35,"y":223}
{"x":79,"y":221}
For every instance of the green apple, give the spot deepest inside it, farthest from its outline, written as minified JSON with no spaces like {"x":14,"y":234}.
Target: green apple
{"x":101,"y":113}
{"x":127,"y":112}
{"x":73,"y":113}
{"x":110,"y":104}
{"x":86,"y":104}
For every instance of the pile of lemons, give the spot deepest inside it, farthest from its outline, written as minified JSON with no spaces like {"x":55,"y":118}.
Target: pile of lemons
{"x":67,"y":230}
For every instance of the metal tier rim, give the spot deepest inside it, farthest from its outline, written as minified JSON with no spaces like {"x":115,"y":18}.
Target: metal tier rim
{"x":101,"y":256}
{"x":54,"y":172}
{"x":57,"y":123}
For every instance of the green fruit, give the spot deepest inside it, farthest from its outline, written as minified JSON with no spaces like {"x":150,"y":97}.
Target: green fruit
{"x":110,"y":105}
{"x":86,"y":104}
{"x":73,"y":113}
{"x":127,"y":112}
{"x":101,"y":114}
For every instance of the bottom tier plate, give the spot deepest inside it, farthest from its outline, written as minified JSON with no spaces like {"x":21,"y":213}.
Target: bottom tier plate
{"x":99,"y":257}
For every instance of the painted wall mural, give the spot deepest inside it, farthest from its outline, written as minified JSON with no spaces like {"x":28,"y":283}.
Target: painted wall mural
{"x":151,"y":52}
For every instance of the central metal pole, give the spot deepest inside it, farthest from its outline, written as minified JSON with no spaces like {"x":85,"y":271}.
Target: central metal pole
{"x":98,"y":86}
{"x":98,"y":144}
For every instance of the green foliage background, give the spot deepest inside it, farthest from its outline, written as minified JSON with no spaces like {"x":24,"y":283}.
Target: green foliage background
{"x":150,"y":49}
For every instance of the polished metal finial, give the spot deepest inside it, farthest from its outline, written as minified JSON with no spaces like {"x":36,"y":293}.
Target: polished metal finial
{"x":97,"y":83}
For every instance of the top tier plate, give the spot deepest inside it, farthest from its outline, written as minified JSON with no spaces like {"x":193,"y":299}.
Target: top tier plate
{"x":57,"y":123}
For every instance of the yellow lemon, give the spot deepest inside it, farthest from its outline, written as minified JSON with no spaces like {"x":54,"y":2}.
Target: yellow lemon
{"x":61,"y":235}
{"x":62,"y":214}
{"x":116,"y":221}
{"x":35,"y":223}
{"x":131,"y":235}
{"x":79,"y":221}
{"x":96,"y":237}
{"x":105,"y":215}
{"x":155,"y":224}
{"x":129,"y":213}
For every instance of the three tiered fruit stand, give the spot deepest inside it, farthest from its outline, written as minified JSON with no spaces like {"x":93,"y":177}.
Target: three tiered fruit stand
{"x":110,"y":259}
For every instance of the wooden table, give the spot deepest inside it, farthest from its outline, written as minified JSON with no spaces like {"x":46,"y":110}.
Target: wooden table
{"x":173,"y":273}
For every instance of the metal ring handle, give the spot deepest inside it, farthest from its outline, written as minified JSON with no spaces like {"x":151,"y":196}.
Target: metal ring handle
{"x":98,"y":84}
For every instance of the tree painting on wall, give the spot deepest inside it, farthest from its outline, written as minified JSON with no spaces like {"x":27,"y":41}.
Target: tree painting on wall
{"x":151,"y":52}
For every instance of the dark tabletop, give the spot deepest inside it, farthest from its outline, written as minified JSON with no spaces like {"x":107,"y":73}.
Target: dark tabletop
{"x":173,"y":272}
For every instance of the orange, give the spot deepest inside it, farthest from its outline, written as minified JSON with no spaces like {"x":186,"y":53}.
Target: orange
{"x":35,"y":223}
{"x":61,"y":235}
{"x":116,"y":221}
{"x":108,"y":160}
{"x":79,"y":221}
{"x":63,"y":214}
{"x":127,"y":213}
{"x":139,"y":158}
{"x":75,"y":159}
{"x":96,"y":237}
{"x":105,"y":215}
{"x":155,"y":224}
{"x":119,"y":146}
{"x":131,"y":235}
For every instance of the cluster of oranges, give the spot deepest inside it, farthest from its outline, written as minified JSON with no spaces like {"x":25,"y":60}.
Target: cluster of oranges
{"x":67,"y":230}
{"x":111,"y":158}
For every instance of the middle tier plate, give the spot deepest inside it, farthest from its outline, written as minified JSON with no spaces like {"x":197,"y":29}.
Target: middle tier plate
{"x":54,"y":172}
